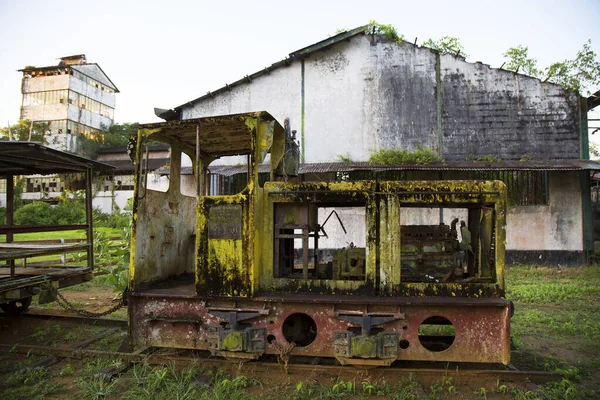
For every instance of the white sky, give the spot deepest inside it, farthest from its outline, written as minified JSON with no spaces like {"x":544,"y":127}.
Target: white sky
{"x":165,"y":53}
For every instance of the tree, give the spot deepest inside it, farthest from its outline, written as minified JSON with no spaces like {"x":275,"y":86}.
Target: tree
{"x":446,"y":45}
{"x":25,"y":130}
{"x":581,"y":74}
{"x":518,"y":60}
{"x":118,"y":134}
{"x":594,"y":151}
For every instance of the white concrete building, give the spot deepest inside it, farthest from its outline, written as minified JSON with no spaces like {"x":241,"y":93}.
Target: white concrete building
{"x":355,"y":93}
{"x":75,"y":98}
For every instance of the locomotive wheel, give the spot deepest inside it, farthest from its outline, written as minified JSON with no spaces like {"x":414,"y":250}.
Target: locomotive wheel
{"x":16,"y":307}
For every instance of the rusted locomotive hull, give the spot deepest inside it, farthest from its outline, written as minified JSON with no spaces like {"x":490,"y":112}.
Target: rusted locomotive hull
{"x":185,"y":321}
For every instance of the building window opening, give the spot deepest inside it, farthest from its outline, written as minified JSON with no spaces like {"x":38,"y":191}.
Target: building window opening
{"x":523,"y":188}
{"x":320,"y":241}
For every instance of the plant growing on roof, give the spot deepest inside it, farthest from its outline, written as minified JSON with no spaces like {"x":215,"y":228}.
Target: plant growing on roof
{"x":422,"y":155}
{"x":581,"y":74}
{"x":389,"y":31}
{"x":446,"y":45}
{"x":489,"y":158}
{"x":344,"y":158}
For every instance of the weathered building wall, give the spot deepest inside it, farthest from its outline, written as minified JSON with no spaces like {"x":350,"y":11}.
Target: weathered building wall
{"x":94,"y":72}
{"x":44,"y":112}
{"x":550,"y":233}
{"x":92,"y":92}
{"x":369,"y":93}
{"x":88,"y":118}
{"x":511,"y":116}
{"x":45,"y":83}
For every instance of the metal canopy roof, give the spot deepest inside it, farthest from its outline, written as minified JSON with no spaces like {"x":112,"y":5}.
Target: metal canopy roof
{"x":317,"y":168}
{"x":531,"y":165}
{"x":226,"y":135}
{"x":31,"y":158}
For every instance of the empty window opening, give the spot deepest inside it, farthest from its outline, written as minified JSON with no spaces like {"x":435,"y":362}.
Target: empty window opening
{"x":300,"y":329}
{"x":320,"y":242}
{"x":445,"y":244}
{"x":523,"y":188}
{"x":158,"y":180}
{"x":437,"y":334}
{"x":187,"y":180}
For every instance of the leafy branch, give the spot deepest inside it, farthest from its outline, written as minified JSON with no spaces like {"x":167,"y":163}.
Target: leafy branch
{"x":580,"y":74}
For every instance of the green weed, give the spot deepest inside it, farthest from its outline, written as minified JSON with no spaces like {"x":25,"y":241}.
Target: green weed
{"x":67,"y":370}
{"x":397,"y":156}
{"x":41,"y":333}
{"x":96,"y":388}
{"x":32,"y":383}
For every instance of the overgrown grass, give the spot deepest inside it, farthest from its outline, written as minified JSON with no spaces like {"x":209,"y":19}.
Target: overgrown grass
{"x":187,"y":383}
{"x":556,"y":315}
{"x":556,"y":303}
{"x":33,"y":383}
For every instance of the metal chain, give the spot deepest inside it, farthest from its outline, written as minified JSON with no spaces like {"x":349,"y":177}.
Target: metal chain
{"x":64,"y":303}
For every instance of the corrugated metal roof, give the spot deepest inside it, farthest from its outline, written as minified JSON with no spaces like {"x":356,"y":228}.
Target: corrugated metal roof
{"x":31,"y":158}
{"x":593,"y":100}
{"x":123,"y":149}
{"x":71,"y":66}
{"x":223,"y":135}
{"x":125,"y":167}
{"x":316,"y":168}
{"x":531,"y":165}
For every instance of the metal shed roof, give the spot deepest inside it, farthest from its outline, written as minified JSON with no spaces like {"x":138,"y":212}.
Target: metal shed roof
{"x":317,"y":168}
{"x":226,"y":135}
{"x":32,"y":158}
{"x":530,"y":165}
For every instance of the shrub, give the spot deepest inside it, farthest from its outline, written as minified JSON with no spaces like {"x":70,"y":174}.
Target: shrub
{"x":69,"y":211}
{"x":36,"y":213}
{"x":397,"y":156}
{"x":66,"y":212}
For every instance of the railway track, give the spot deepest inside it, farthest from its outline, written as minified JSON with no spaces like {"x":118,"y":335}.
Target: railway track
{"x":74,"y":319}
{"x":296,"y":371}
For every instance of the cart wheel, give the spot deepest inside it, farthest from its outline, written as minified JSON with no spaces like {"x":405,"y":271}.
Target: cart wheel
{"x":16,"y":307}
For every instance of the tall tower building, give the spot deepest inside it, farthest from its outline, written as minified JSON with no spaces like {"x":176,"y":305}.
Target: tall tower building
{"x":74,"y":99}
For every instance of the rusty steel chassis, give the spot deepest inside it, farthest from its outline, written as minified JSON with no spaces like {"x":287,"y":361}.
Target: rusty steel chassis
{"x":261,"y":369}
{"x":185,"y":321}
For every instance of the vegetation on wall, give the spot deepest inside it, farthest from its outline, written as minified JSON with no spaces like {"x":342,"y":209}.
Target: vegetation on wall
{"x":490,"y":158}
{"x":446,"y":45}
{"x":582,"y":73}
{"x":422,"y":155}
{"x":389,"y":31}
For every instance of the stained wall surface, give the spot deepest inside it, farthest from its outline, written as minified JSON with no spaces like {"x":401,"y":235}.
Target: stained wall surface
{"x":369,"y":93}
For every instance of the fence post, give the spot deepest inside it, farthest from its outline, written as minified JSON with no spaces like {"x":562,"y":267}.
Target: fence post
{"x":63,"y":256}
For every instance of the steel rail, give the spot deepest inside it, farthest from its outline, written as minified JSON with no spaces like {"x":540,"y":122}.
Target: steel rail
{"x":106,"y":322}
{"x":295,"y":371}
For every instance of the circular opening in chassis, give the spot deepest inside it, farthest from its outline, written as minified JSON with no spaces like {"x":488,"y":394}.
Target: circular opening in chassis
{"x":300,"y":329}
{"x":437,"y":334}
